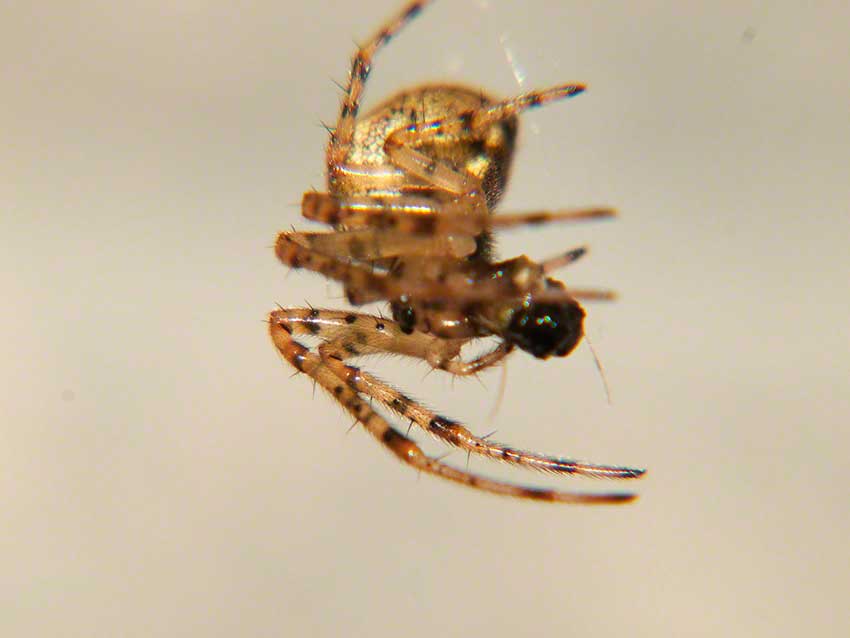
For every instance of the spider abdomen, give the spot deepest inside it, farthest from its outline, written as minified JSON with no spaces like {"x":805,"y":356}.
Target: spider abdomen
{"x":367,"y":170}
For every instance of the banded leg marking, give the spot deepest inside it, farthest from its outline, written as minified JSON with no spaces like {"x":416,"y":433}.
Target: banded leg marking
{"x":370,"y":244}
{"x":457,"y":435}
{"x":403,"y":448}
{"x":362,"y":285}
{"x":401,"y":144}
{"x":361,"y":65}
{"x":351,"y":334}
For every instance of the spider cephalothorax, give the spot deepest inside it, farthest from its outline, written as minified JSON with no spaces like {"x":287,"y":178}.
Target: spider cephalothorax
{"x":411,"y":190}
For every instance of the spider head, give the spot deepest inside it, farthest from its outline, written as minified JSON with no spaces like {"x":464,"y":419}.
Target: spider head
{"x":545,"y":328}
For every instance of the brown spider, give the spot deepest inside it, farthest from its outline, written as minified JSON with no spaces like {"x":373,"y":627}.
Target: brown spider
{"x":411,"y":187}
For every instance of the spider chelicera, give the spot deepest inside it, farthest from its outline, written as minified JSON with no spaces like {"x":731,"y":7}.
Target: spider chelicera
{"x":410,"y":191}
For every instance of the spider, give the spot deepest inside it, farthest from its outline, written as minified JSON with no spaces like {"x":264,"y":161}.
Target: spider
{"x":410,"y":190}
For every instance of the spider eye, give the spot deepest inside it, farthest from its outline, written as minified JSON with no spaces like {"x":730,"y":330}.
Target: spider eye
{"x":546,"y":329}
{"x":406,"y":318}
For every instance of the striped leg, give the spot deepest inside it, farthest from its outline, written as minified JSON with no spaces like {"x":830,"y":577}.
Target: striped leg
{"x":457,"y":435}
{"x":352,"y":335}
{"x":372,"y":244}
{"x":403,"y":448}
{"x":362,"y":285}
{"x":409,"y":214}
{"x":425,"y":216}
{"x":402,"y":144}
{"x":361,"y":65}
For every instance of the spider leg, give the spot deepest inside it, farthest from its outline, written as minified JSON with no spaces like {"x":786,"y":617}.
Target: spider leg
{"x":362,"y":285}
{"x":511,"y":107}
{"x":410,"y":214}
{"x":356,"y":334}
{"x":457,"y":435}
{"x":401,"y":146}
{"x":352,"y":334}
{"x":565,"y":259}
{"x":371,"y":244}
{"x":590,"y":294}
{"x":425,"y":216}
{"x":537,"y":218}
{"x":361,"y":65}
{"x":403,"y":448}
{"x":462,"y":368}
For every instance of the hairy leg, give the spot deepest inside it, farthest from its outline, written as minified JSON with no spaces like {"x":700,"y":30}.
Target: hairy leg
{"x":402,"y":146}
{"x":418,"y":215}
{"x":403,"y":448}
{"x":361,"y":65}
{"x":363,"y":285}
{"x":371,"y":244}
{"x":351,"y":335}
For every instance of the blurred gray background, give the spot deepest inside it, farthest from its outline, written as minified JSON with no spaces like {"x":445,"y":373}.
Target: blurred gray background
{"x":161,"y":474}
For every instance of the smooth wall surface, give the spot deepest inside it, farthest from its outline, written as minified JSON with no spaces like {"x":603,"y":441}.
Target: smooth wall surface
{"x":162,"y":475}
